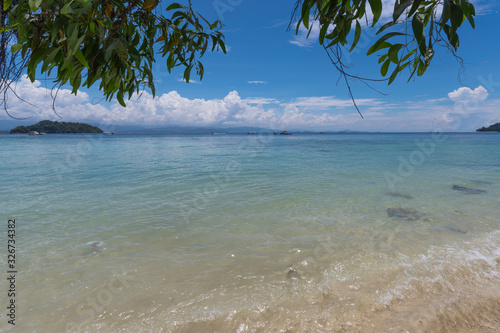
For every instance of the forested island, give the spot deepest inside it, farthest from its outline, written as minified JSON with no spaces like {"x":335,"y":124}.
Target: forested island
{"x":492,"y":128}
{"x":47,"y":126}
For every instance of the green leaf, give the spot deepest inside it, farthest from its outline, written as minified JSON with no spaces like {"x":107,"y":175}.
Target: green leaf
{"x":445,"y":15}
{"x":408,"y":55}
{"x":471,"y":21}
{"x":119,"y":97}
{"x":222,"y":45}
{"x":322,"y":33}
{"x":16,"y":47}
{"x":67,"y":9}
{"x":457,"y":15}
{"x":10,"y":27}
{"x":174,"y":6}
{"x":382,"y":58}
{"x":417,"y":24}
{"x":6,"y":4}
{"x":305,"y":13}
{"x":382,"y":45}
{"x":414,"y":8}
{"x":387,"y":25}
{"x":187,"y":73}
{"x":376,"y":6}
{"x":452,"y":36}
{"x":421,"y":67}
{"x":357,"y":35}
{"x":377,"y":46}
{"x":201,"y":70}
{"x":393,"y":75}
{"x":75,"y":83}
{"x":81,"y":58}
{"x":400,"y":7}
{"x":34,"y":4}
{"x":393,"y":53}
{"x":385,"y":67}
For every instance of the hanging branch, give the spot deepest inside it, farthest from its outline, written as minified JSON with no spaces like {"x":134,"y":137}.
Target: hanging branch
{"x":111,"y":43}
{"x":401,"y":47}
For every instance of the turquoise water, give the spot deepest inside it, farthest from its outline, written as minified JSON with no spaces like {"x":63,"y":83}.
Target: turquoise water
{"x":253,"y":233}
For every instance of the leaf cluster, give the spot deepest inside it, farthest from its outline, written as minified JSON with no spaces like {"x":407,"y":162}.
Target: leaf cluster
{"x":110,"y":42}
{"x":409,"y":39}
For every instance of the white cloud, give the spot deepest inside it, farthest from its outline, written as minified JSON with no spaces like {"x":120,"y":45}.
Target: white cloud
{"x":484,"y":7}
{"x":306,"y":113}
{"x":304,"y":38}
{"x":257,"y":82}
{"x":466,"y":94}
{"x":328,"y":102}
{"x":260,"y":100}
{"x":39,"y":99}
{"x":190,"y":81}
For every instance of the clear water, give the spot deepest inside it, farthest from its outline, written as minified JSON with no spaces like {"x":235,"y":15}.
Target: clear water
{"x":250,"y":233}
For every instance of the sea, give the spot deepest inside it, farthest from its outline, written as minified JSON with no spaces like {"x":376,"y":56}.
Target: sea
{"x":336,"y":232}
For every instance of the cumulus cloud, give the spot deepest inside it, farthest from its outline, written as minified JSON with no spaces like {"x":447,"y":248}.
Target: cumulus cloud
{"x":305,"y":113}
{"x":466,"y":94}
{"x":257,"y":82}
{"x":35,"y":100}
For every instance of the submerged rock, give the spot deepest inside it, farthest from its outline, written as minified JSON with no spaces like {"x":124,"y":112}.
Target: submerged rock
{"x":468,"y":190}
{"x":95,"y":244}
{"x":93,"y":247}
{"x":455,"y":229}
{"x":404,"y":213}
{"x":400,"y":195}
{"x":292,"y":273}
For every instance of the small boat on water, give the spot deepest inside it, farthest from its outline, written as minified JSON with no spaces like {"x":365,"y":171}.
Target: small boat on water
{"x":252,"y":132}
{"x":33,"y":133}
{"x":285,"y":133}
{"x":275,"y":133}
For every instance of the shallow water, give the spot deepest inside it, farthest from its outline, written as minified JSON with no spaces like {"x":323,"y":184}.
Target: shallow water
{"x":237,"y":233}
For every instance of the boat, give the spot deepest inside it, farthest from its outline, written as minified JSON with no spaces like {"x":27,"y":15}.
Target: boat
{"x":33,"y":133}
{"x":252,"y":132}
{"x":275,"y":133}
{"x":285,"y":133}
{"x":322,"y":133}
{"x":42,"y":133}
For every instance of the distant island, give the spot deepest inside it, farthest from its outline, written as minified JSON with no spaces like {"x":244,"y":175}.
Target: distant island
{"x":492,"y":128}
{"x":47,"y":126}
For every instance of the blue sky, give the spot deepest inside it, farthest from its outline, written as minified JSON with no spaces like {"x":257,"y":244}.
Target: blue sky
{"x":274,"y":79}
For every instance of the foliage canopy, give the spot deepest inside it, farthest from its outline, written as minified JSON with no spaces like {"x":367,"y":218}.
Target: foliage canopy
{"x":110,"y":41}
{"x":114,"y":42}
{"x":409,"y":38}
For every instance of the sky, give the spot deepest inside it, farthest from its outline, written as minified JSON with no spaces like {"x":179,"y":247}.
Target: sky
{"x":272,"y":78}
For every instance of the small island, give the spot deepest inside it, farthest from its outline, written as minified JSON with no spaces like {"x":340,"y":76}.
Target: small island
{"x":492,"y":128}
{"x":55,"y":127}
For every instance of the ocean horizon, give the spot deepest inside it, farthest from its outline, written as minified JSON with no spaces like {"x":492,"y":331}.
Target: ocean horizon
{"x":342,"y":232}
